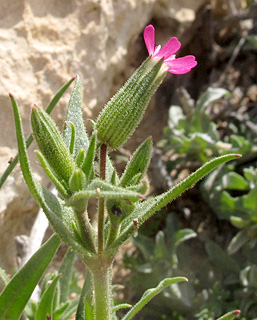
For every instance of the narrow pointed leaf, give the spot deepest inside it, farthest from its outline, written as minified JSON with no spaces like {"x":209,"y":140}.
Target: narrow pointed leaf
{"x":209,"y":96}
{"x":101,"y":189}
{"x":66,"y":270}
{"x":70,"y":310}
{"x":121,"y":306}
{"x":74,"y":115}
{"x":49,"y":109}
{"x":17,"y":293}
{"x":138,"y":163}
{"x":80,"y":157}
{"x":87,"y":288}
{"x":150,"y":294}
{"x":60,"y":217}
{"x":146,"y":209}
{"x":240,"y":239}
{"x":45,"y":305}
{"x":59,"y":312}
{"x":230,"y":315}
{"x":88,"y":164}
{"x":111,"y":173}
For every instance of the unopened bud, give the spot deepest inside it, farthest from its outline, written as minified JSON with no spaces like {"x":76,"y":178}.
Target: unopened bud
{"x":77,"y":180}
{"x":51,"y":144}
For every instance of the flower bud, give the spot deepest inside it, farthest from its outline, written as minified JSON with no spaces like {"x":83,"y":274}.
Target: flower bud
{"x":122,"y":114}
{"x":77,"y":181}
{"x":51,"y":144}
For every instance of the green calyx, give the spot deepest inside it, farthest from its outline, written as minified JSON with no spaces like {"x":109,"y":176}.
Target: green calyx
{"x":51,"y":144}
{"x":122,"y":114}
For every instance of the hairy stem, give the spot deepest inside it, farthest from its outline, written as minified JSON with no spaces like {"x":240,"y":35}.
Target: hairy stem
{"x":102,"y":290}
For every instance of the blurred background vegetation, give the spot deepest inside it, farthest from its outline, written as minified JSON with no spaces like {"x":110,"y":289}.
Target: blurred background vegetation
{"x":210,"y":233}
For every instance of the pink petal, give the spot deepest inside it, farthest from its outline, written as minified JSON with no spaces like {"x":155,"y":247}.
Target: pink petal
{"x":149,"y":37}
{"x":181,"y":65}
{"x":171,"y":47}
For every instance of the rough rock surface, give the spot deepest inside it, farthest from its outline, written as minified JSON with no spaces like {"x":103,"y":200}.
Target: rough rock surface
{"x":45,"y":43}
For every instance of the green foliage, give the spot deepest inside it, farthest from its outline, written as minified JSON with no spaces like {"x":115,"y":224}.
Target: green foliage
{"x":230,"y":190}
{"x":138,"y":164}
{"x":193,"y":136}
{"x":81,"y":170}
{"x":49,"y":109}
{"x":18,"y":291}
{"x":150,"y":294}
{"x":157,"y":258}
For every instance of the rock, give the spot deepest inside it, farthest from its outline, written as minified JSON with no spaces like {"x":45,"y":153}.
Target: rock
{"x":46,"y":42}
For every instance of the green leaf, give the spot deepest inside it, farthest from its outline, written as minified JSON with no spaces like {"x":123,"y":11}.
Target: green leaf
{"x":16,"y":294}
{"x":230,"y":315}
{"x":74,"y":115}
{"x":66,"y":270}
{"x":210,"y":96}
{"x":184,"y":235}
{"x":60,"y":217}
{"x":111,"y":173}
{"x":150,"y":294}
{"x":45,"y":306}
{"x":238,"y":241}
{"x":70,"y":310}
{"x":87,"y":288}
{"x":221,"y":259}
{"x":49,"y":109}
{"x":239,"y":222}
{"x":88,"y":164}
{"x":57,"y":313}
{"x":234,"y":181}
{"x":101,"y":189}
{"x":121,"y":306}
{"x":146,"y":209}
{"x":138,"y":164}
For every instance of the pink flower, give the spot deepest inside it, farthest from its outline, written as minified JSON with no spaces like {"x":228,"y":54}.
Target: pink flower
{"x":170,"y":64}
